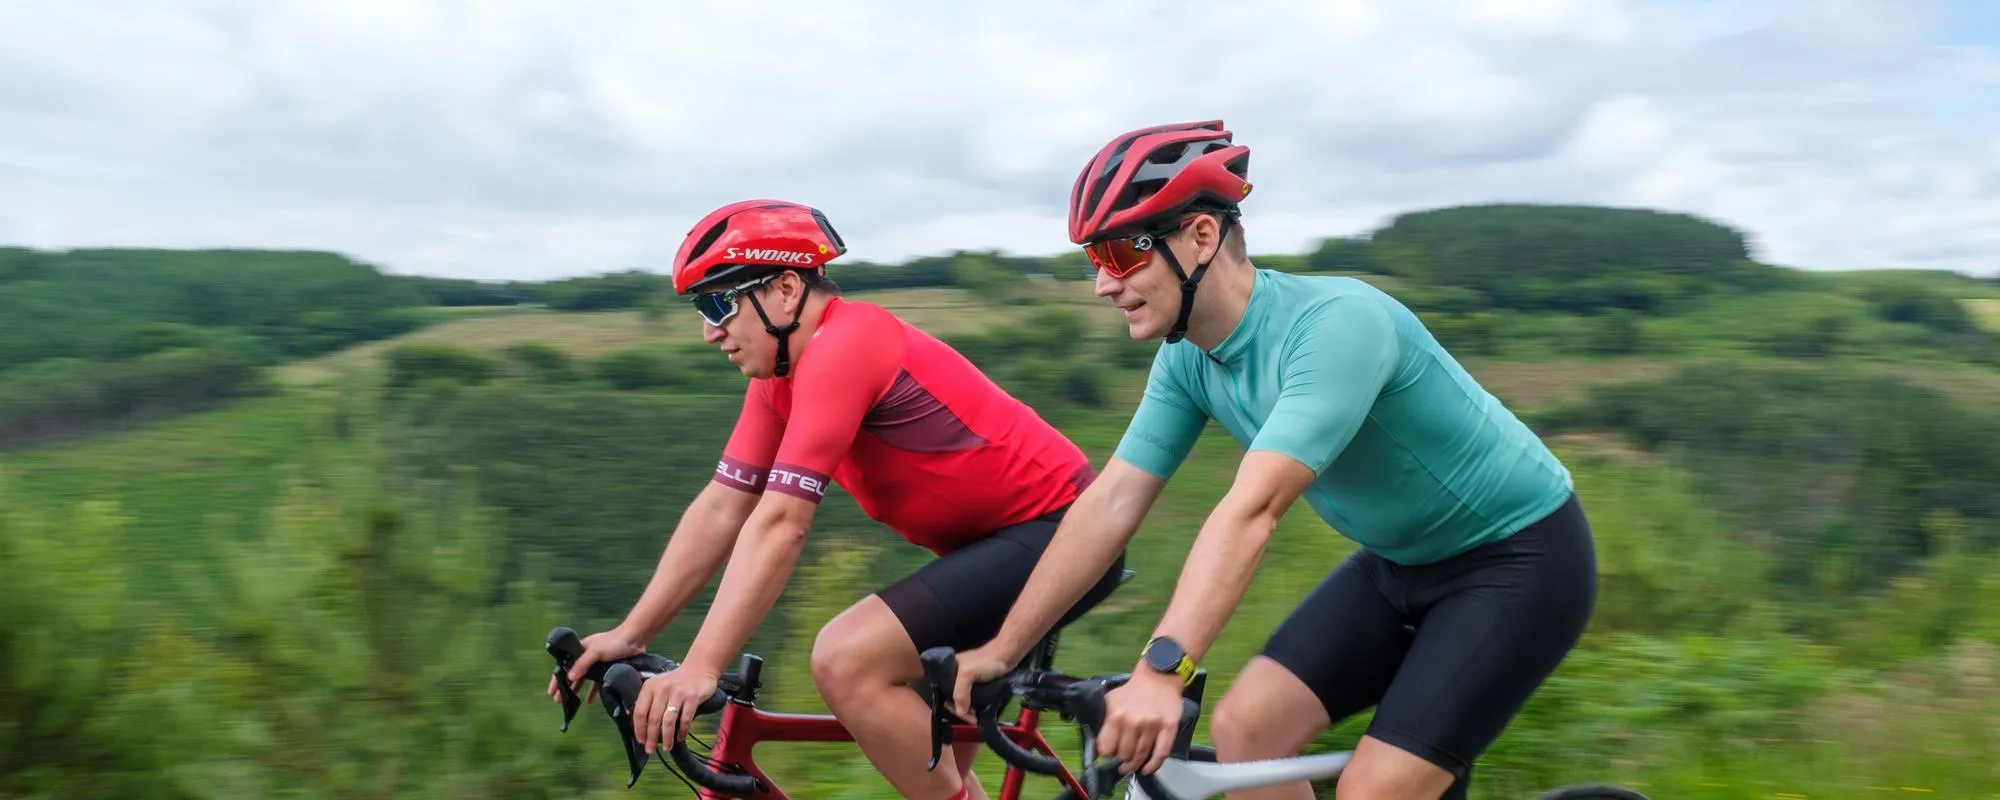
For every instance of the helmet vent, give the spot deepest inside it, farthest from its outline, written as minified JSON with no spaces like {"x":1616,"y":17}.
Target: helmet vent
{"x":708,"y":239}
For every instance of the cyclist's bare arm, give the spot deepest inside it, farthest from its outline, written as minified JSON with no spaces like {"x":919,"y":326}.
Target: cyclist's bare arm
{"x":1098,"y":526}
{"x":1226,"y":551}
{"x":699,"y":544}
{"x":1103,"y":520}
{"x":1332,"y":365}
{"x":759,"y":567}
{"x":697,"y":547}
{"x":832,"y":390}
{"x":708,"y":528}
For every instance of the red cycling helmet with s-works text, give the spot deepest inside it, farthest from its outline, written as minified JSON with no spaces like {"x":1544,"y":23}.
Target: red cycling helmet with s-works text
{"x":741,"y":245}
{"x":1189,"y":166}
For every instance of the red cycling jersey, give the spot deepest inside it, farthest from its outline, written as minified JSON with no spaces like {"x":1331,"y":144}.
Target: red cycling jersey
{"x":924,"y":441}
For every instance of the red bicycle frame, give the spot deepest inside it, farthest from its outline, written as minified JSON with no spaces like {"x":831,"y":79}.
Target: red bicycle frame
{"x":730,"y":769}
{"x":744,"y":726}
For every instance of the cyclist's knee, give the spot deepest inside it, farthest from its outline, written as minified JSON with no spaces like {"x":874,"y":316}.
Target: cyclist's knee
{"x":1261,"y":714}
{"x":861,"y":644}
{"x":1381,"y":771}
{"x":838,"y":656}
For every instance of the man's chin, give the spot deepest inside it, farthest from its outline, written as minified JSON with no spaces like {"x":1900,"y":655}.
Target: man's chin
{"x":1144,"y":329}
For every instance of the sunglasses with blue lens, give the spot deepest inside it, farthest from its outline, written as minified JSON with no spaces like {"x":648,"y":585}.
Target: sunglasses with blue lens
{"x":717,"y":307}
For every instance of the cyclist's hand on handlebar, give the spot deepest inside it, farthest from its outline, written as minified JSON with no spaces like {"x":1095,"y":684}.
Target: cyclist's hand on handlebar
{"x":598,"y":647}
{"x":974,"y":666}
{"x":667,"y":705}
{"x":1140,"y":721}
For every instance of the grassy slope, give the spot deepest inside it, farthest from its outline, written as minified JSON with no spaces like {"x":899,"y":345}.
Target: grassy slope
{"x":184,"y":483}
{"x":595,"y":334}
{"x":191,"y":479}
{"x":200,"y":470}
{"x":1988,"y":313}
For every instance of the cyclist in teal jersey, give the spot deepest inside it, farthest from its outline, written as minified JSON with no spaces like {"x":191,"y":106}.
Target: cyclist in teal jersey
{"x":1476,"y":573}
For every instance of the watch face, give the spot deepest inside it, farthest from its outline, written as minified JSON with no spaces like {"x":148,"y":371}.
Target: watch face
{"x":1163,"y":654}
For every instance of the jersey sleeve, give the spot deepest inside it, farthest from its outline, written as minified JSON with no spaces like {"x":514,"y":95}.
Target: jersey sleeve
{"x":1165,"y":427}
{"x":747,"y":456}
{"x":850,"y":368}
{"x":1337,"y":360}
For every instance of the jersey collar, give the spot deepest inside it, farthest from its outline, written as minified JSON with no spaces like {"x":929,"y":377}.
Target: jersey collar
{"x":833,"y":305}
{"x":1234,"y":346}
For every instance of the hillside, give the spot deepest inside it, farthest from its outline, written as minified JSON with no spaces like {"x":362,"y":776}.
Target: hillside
{"x":197,"y":491}
{"x":1988,"y":312}
{"x":336,"y":585}
{"x":942,"y":310}
{"x":1532,"y":381}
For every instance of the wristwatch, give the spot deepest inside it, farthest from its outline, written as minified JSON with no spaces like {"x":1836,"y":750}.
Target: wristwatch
{"x":1165,"y":655}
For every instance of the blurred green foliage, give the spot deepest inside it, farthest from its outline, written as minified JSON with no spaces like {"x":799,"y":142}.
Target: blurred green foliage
{"x":341,"y":591}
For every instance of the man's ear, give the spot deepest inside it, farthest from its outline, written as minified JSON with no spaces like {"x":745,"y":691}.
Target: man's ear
{"x":1207,"y":238}
{"x":790,"y":289}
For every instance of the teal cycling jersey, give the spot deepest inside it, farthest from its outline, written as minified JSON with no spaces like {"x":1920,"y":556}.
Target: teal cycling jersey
{"x":1414,"y":459}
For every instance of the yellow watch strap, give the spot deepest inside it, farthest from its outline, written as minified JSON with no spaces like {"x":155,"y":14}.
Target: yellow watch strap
{"x":1185,"y":667}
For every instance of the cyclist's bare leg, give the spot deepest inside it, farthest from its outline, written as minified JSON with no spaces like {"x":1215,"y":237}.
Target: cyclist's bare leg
{"x":1382,"y":771}
{"x":1267,"y":713}
{"x":963,"y":755}
{"x":863,"y":662}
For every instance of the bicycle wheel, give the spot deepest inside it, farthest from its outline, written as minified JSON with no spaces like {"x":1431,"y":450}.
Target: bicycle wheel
{"x":1593,"y":792}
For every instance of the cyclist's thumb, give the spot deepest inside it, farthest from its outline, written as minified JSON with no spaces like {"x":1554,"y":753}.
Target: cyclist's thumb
{"x":961,"y":697}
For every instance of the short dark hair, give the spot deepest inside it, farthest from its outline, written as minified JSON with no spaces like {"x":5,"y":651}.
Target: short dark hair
{"x":820,"y":281}
{"x":814,"y":279}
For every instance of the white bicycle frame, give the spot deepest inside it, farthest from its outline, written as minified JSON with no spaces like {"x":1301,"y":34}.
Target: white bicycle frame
{"x":1195,"y":780}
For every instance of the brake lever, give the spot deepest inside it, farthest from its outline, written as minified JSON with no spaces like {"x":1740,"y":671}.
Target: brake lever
{"x":620,"y":689}
{"x":940,"y":666}
{"x":565,"y":647}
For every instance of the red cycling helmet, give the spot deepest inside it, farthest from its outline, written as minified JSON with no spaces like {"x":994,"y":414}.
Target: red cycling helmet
{"x":1182,"y":164}
{"x":749,"y":238}
{"x":1176,"y":168}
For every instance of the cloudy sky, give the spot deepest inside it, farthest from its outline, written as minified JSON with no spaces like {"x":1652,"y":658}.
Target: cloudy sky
{"x":524,"y":139}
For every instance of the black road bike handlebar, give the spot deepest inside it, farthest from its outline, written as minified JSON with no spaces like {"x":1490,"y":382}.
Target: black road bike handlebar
{"x":1075,"y":699}
{"x":619,"y":683}
{"x":1038,"y":686}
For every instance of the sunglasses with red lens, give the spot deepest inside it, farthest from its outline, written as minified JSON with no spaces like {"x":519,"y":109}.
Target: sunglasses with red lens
{"x":1124,"y":255}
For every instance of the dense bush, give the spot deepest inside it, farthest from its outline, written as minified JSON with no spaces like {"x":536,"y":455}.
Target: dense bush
{"x":1816,"y":459}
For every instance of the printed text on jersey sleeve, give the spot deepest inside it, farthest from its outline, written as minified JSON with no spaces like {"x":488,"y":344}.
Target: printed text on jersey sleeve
{"x":753,"y":443}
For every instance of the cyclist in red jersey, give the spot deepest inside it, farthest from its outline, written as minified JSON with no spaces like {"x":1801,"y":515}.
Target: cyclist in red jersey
{"x":845,"y":393}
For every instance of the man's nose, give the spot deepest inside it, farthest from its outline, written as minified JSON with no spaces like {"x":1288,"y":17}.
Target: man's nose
{"x":1106,"y":285}
{"x":711,"y":333}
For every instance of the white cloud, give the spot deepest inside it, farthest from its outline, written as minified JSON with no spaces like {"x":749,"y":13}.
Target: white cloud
{"x":540,"y":138}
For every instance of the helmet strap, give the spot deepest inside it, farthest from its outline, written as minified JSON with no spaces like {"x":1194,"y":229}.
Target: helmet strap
{"x":784,"y":334}
{"x":1188,"y":282}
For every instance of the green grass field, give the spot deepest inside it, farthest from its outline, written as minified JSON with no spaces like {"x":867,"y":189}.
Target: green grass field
{"x":1987,"y":312}
{"x":182,"y":484}
{"x":942,"y":311}
{"x":185,"y":484}
{"x":188,"y":484}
